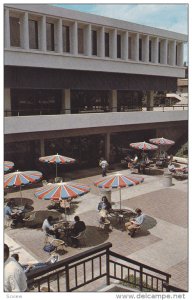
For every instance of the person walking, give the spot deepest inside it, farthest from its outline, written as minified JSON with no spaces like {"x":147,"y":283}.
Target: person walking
{"x":15,"y":279}
{"x":103,"y":164}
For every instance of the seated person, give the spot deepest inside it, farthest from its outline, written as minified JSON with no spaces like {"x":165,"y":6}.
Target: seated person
{"x":9,"y":214}
{"x":65,"y":205}
{"x":171,"y":167}
{"x":48,"y":228}
{"x":34,"y":266}
{"x":104,"y":204}
{"x":77,"y":227}
{"x":134,"y":223}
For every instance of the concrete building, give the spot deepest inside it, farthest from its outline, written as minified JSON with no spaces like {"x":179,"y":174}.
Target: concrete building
{"x":74,"y":84}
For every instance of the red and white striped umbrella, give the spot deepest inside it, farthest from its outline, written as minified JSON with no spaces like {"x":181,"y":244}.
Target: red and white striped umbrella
{"x":57,"y":159}
{"x":20,"y":178}
{"x":61,"y":190}
{"x":143,"y":146}
{"x":162,"y":141}
{"x":118,"y":181}
{"x":8,"y":165}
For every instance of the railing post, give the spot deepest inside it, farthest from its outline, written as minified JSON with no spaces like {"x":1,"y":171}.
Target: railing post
{"x":141,"y":279}
{"x":107,"y":267}
{"x":67,"y":278}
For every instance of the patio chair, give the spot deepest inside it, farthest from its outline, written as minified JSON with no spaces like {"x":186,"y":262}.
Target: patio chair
{"x":81,"y":237}
{"x":57,"y":243}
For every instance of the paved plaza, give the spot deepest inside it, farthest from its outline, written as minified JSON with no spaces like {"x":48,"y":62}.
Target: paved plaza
{"x":161,"y":243}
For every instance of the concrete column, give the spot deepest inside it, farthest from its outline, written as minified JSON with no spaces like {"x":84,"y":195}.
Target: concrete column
{"x":25,"y":31}
{"x":113,"y":100}
{"x":150,"y":100}
{"x":7,"y":29}
{"x":43,"y":38}
{"x":180,"y":47}
{"x":163,"y":55}
{"x":66,"y":101}
{"x":113,"y":44}
{"x":59,"y":37}
{"x":124,"y":46}
{"x":135,"y":47}
{"x":145,"y":49}
{"x":107,"y":146}
{"x":101,"y":42}
{"x":7,"y":101}
{"x":74,"y":39}
{"x":42,"y":147}
{"x":87,"y":40}
{"x":172,"y":53}
{"x":155,"y":50}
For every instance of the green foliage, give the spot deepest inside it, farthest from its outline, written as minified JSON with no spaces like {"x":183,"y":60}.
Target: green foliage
{"x":183,"y":151}
{"x":134,"y":283}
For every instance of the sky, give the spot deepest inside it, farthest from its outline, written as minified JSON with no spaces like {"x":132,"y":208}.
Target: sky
{"x":173,"y":17}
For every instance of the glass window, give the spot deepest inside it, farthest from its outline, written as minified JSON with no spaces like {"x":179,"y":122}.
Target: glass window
{"x":66,"y":39}
{"x":118,"y":46}
{"x":33,"y":34}
{"x":15,"y":32}
{"x":94,"y":42}
{"x":140,"y":49}
{"x":159,"y":53}
{"x":129,"y":48}
{"x":80,"y":41}
{"x":106,"y":44}
{"x":150,"y":43}
{"x":50,"y":36}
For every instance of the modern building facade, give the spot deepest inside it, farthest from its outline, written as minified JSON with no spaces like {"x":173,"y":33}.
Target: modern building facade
{"x":75,"y":83}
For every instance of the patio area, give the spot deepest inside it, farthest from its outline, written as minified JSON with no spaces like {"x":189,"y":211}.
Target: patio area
{"x":162,"y":242}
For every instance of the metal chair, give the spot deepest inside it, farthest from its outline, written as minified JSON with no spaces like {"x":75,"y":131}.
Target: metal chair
{"x":81,"y":237}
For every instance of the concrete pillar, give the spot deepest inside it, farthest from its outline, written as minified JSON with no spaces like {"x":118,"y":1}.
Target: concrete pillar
{"x":43,"y":38}
{"x":59,"y":37}
{"x":66,"y":101}
{"x":180,"y":47}
{"x":113,"y":100}
{"x":163,"y":55}
{"x":113,"y":44}
{"x":172,"y":53}
{"x":155,"y":50}
{"x":42,"y":147}
{"x":150,"y":100}
{"x":7,"y":101}
{"x":107,"y":146}
{"x":7,"y":29}
{"x":145,"y":49}
{"x":87,"y":40}
{"x":135,"y":47}
{"x":124,"y":46}
{"x":25,"y":31}
{"x":74,"y":38}
{"x":101,"y":42}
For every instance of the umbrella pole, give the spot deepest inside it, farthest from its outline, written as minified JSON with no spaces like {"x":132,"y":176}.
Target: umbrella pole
{"x":56,"y":171}
{"x":21,"y":195}
{"x":120,"y":198}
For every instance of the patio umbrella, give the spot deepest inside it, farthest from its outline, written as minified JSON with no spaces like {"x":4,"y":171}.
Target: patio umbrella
{"x":57,"y":159}
{"x":8,"y":165}
{"x":61,"y":190}
{"x":161,"y":142}
{"x":143,"y":146}
{"x":21,"y":178}
{"x":118,"y":181}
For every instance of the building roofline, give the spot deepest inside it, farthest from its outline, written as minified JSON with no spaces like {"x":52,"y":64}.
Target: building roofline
{"x":54,"y":11}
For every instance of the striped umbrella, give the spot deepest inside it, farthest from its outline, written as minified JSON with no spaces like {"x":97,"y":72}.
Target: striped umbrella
{"x":61,"y":190}
{"x":57,"y":159}
{"x":8,"y":165}
{"x":143,"y":146}
{"x":21,"y":178}
{"x":161,"y":141}
{"x":118,"y":181}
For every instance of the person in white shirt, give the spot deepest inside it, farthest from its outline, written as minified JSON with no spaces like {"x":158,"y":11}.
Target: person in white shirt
{"x":134,"y":223}
{"x":103,"y":164}
{"x":15,"y":279}
{"x":48,"y":228}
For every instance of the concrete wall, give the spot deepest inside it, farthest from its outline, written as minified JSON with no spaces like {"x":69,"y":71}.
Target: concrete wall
{"x":24,"y":124}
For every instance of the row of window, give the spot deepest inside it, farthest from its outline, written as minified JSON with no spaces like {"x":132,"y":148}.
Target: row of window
{"x":34,"y":41}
